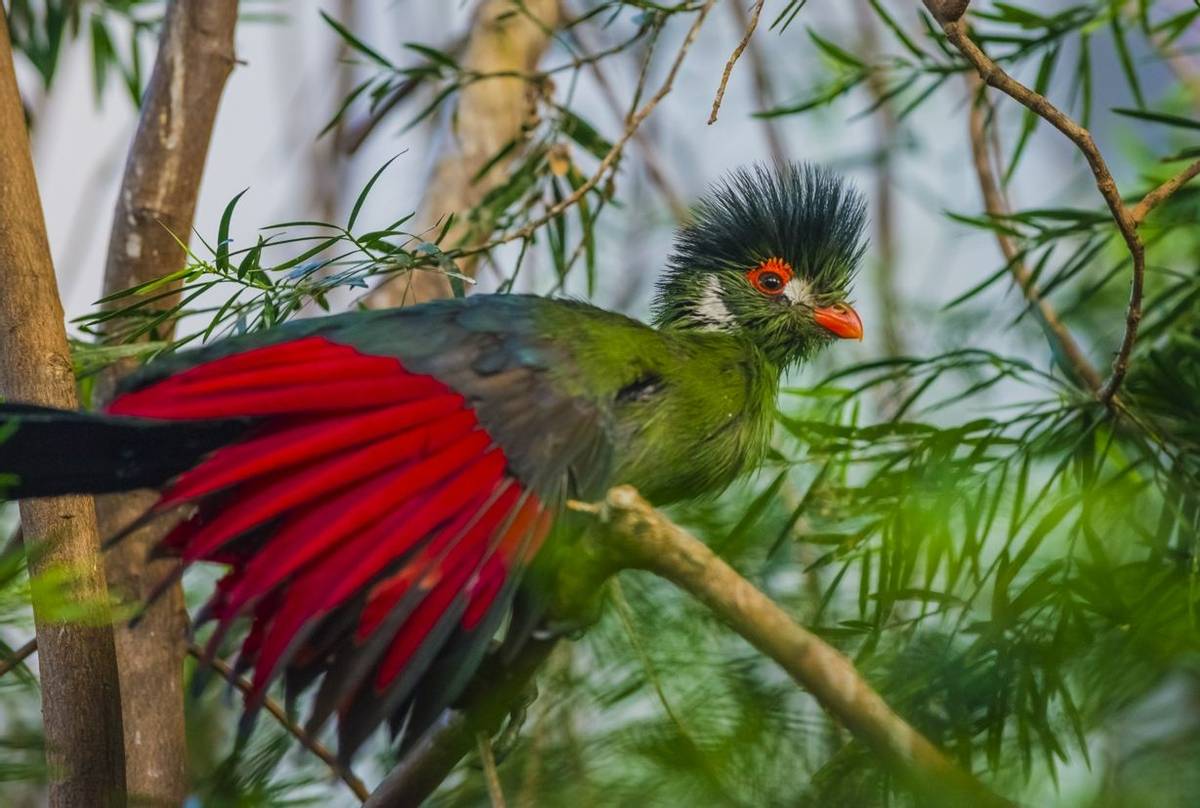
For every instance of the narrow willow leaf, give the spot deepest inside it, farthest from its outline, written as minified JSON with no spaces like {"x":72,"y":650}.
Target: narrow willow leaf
{"x":356,"y":43}
{"x":222,"y":255}
{"x":1159,"y":117}
{"x":1131,"y":75}
{"x":1030,"y":121}
{"x":366,"y":191}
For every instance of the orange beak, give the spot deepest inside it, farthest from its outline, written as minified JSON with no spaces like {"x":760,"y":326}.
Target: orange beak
{"x":840,"y":320}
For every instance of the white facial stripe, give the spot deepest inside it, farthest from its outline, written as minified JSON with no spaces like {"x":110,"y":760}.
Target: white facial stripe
{"x":798,"y":291}
{"x":711,"y":312}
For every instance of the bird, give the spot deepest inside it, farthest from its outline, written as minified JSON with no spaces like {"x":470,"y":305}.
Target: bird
{"x":378,"y":483}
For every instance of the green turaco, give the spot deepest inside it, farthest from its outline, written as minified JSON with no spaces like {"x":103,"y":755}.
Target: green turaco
{"x":376,"y":483}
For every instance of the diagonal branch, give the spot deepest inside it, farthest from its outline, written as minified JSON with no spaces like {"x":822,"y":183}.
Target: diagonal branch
{"x":997,"y":206}
{"x":1163,"y":192}
{"x":639,"y":537}
{"x":751,"y":24}
{"x":273,"y":707}
{"x":950,"y":16}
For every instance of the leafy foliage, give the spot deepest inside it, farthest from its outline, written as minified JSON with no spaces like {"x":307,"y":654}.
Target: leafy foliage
{"x":1011,"y":563}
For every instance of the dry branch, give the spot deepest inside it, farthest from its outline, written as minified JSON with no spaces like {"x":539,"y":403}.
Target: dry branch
{"x":1163,"y":192}
{"x":318,"y":749}
{"x":750,"y":24}
{"x":764,"y":95}
{"x":489,"y":113}
{"x":949,"y":14}
{"x":155,"y":205}
{"x":81,"y":704}
{"x":997,"y":206}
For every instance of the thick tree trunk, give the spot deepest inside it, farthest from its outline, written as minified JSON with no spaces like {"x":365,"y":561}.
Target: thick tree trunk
{"x":489,"y":114}
{"x":81,"y":702}
{"x":156,"y":204}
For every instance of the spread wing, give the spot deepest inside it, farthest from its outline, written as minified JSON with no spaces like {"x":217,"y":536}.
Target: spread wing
{"x":402,"y":471}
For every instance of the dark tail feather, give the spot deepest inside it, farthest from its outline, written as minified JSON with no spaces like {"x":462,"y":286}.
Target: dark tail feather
{"x":47,"y":452}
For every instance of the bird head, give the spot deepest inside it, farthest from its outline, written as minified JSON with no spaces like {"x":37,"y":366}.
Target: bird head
{"x":768,"y":255}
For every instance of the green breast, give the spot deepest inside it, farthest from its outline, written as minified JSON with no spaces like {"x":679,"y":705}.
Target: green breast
{"x":690,"y":410}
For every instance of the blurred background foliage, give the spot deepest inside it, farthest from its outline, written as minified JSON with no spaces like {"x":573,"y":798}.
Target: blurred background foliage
{"x":1010,"y":562}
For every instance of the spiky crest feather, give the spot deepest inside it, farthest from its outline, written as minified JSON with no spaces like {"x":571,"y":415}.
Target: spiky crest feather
{"x":799,"y":214}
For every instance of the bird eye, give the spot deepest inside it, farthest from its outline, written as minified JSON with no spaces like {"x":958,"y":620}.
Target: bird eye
{"x":770,"y":282}
{"x":770,"y":276}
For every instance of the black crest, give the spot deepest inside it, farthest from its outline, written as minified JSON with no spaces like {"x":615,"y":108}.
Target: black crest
{"x":799,"y":212}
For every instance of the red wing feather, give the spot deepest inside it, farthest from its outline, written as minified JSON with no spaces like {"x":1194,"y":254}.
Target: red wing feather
{"x":374,"y":486}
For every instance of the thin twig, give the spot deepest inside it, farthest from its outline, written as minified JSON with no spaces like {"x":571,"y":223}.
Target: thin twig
{"x":276,"y":709}
{"x":614,"y":153}
{"x":733,"y":57}
{"x":490,"y":774}
{"x":607,"y":163}
{"x":949,"y":14}
{"x":650,"y":158}
{"x":20,"y":655}
{"x":764,"y":96}
{"x":1163,"y":192}
{"x":997,"y":206}
{"x":884,"y":243}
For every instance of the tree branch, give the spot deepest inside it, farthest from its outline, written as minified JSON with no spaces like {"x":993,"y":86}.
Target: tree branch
{"x":1163,"y":192}
{"x":639,"y":537}
{"x":81,"y":703}
{"x":751,"y":24}
{"x":610,"y":159}
{"x":997,"y":206}
{"x":20,"y":655}
{"x":155,"y":205}
{"x":764,"y":97}
{"x":273,"y":707}
{"x":949,"y":14}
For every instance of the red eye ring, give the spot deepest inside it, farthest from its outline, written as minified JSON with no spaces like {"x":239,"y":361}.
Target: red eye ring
{"x":771,"y":276}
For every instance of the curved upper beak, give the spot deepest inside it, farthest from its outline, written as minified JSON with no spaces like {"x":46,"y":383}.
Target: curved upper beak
{"x":840,"y":320}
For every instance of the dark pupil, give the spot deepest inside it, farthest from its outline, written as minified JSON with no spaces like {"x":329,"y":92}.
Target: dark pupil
{"x":771,"y":282}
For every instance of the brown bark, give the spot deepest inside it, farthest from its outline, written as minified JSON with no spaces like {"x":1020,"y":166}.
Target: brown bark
{"x":157,"y":202}
{"x":489,"y":114}
{"x":81,"y":707}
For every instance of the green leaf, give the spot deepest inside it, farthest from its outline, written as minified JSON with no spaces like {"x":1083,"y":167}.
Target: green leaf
{"x":366,"y":191}
{"x":356,"y":43}
{"x":222,"y":255}
{"x":1031,"y":118}
{"x":837,"y":54}
{"x":434,"y":55}
{"x":1131,"y":76}
{"x":895,"y":28}
{"x":1159,"y":117}
{"x":583,"y":133}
